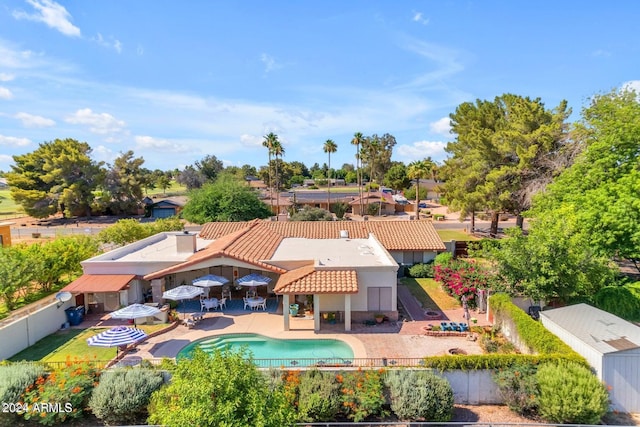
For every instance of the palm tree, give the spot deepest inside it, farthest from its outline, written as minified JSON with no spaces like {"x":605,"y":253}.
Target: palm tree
{"x":268,"y":142}
{"x":358,"y":140}
{"x":419,"y":170}
{"x":329,"y":147}
{"x":278,"y":150}
{"x":370,"y":149}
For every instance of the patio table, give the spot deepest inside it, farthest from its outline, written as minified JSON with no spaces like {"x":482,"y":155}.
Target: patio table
{"x":210,"y":303}
{"x":256,"y":302}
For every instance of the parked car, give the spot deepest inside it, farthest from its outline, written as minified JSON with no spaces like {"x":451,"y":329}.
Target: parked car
{"x":422,"y":205}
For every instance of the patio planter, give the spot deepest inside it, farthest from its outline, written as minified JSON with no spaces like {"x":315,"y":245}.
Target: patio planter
{"x":293,"y":309}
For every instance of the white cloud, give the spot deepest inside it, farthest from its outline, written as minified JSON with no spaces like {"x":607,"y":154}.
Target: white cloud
{"x":632,"y":85}
{"x":112,"y":43}
{"x":145,"y":142}
{"x":421,"y":149}
{"x":32,"y":121}
{"x":12,"y":141}
{"x":445,"y":60}
{"x":419,"y":18}
{"x":269,"y":62}
{"x":4,"y":77}
{"x":251,"y":140}
{"x":5,"y":159}
{"x":52,"y":14}
{"x":5,"y":93}
{"x":441,"y":126}
{"x":100,"y":123}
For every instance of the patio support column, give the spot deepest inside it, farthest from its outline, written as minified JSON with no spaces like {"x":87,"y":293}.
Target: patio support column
{"x":347,"y":312}
{"x":157,"y":288}
{"x":316,"y":312}
{"x":285,"y":311}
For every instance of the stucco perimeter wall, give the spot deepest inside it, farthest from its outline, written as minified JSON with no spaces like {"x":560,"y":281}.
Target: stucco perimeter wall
{"x":473,"y":387}
{"x":27,"y":329}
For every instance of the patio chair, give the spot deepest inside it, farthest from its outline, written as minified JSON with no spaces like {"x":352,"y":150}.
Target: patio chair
{"x":455,"y":327}
{"x":226,"y":293}
{"x":246,"y":303}
{"x":463,"y":327}
{"x":222,"y":303}
{"x":203,"y":305}
{"x":445,"y":326}
{"x":263,"y":305}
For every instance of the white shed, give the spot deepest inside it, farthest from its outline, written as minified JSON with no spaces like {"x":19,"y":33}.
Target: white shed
{"x":610,"y":344}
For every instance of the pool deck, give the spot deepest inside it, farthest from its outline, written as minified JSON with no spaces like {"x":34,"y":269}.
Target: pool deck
{"x":406,"y":339}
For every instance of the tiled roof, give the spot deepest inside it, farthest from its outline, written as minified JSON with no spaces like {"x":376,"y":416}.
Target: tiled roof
{"x":308,"y":280}
{"x":99,"y":283}
{"x":393,"y":235}
{"x":374,"y":198}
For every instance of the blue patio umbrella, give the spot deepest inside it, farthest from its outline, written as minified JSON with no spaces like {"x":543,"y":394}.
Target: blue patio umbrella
{"x":115,"y":337}
{"x":135,"y":311}
{"x":254,"y":279}
{"x":210,"y":280}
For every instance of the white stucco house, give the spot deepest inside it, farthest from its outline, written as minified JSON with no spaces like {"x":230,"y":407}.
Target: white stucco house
{"x":345,"y":267}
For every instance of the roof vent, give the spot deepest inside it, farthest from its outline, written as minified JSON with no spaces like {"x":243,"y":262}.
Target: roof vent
{"x":344,"y":234}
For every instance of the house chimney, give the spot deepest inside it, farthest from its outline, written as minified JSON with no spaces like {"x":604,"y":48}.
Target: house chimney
{"x":186,"y":242}
{"x":344,"y":234}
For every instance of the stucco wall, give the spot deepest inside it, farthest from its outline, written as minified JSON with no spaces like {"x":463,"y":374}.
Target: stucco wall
{"x":18,"y":334}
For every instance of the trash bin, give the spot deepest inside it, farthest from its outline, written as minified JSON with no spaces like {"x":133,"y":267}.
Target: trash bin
{"x":73,"y":316}
{"x":293,"y":309}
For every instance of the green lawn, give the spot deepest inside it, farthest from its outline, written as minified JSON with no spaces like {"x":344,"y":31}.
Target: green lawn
{"x":457,"y":235}
{"x":430,"y":294}
{"x":8,"y":208}
{"x":72,"y":343}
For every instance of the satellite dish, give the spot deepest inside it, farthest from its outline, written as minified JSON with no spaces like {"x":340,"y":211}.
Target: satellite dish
{"x":63,"y":296}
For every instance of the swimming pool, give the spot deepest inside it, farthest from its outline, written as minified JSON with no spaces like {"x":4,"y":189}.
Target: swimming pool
{"x":278,"y":352}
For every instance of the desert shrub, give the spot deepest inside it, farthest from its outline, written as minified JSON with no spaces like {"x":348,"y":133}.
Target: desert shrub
{"x":14,"y":380}
{"x":68,"y":387}
{"x":122,"y":395}
{"x":362,"y":394}
{"x":319,"y":398}
{"x":519,"y":388}
{"x":421,"y":270}
{"x":419,"y":395}
{"x":570,"y":394}
{"x":222,"y":389}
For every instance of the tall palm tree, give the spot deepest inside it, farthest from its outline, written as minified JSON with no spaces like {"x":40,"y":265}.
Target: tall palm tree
{"x":329,"y":147}
{"x":370,"y":149}
{"x":278,"y":150}
{"x":358,"y":140}
{"x":268,"y":142}
{"x":418,"y":170}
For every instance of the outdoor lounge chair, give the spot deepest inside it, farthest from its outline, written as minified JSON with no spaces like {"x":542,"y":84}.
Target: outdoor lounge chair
{"x":463,"y":327}
{"x":445,"y":326}
{"x":455,"y":327}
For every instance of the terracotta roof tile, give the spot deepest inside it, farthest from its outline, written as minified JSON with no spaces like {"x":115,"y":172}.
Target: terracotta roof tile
{"x":308,"y":280}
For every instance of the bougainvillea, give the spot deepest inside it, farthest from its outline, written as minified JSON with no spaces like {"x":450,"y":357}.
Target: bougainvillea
{"x":463,"y":277}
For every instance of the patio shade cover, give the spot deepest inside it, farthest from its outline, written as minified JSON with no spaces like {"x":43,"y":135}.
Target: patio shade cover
{"x":254,"y":279}
{"x":210,"y":280}
{"x":182,"y":292}
{"x":135,"y":311}
{"x":120,"y":335}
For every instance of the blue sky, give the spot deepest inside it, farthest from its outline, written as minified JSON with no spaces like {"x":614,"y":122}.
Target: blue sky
{"x":175,"y":81}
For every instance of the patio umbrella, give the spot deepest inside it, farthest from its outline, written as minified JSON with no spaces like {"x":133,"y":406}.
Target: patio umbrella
{"x":182,"y":292}
{"x":253,"y":280}
{"x":210,"y":280}
{"x":135,"y":311}
{"x":115,"y":337}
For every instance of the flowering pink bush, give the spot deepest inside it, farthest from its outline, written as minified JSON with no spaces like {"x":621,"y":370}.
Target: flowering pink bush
{"x":461,"y":277}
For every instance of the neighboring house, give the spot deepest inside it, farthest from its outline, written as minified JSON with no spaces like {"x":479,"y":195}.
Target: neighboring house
{"x":384,"y":204}
{"x":347,"y":267}
{"x":164,"y":208}
{"x":5,"y":234}
{"x":610,"y":344}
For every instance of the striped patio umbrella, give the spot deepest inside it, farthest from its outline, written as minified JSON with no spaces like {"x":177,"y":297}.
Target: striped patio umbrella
{"x":135,"y":311}
{"x":115,"y":337}
{"x":210,"y":280}
{"x":254,"y":279}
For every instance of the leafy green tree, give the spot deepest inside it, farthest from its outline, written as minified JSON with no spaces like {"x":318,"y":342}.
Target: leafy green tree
{"x":339,"y":209}
{"x":396,"y":177}
{"x":418,"y":170}
{"x":227,"y":199}
{"x":299,"y":168}
{"x":59,"y":176}
{"x":16,"y":273}
{"x":124,"y":183}
{"x":224,"y":389}
{"x":329,"y":147}
{"x":131,"y":230}
{"x":59,"y":259}
{"x":162,"y":180}
{"x":601,"y":188}
{"x":312,"y":214}
{"x":209,"y":167}
{"x":505,"y":151}
{"x":376,"y":155}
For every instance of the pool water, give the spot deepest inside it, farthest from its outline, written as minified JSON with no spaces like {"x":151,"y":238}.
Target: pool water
{"x":277,"y":352}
